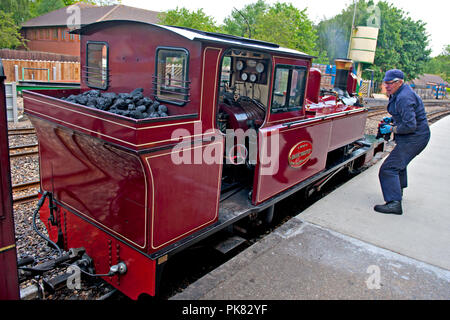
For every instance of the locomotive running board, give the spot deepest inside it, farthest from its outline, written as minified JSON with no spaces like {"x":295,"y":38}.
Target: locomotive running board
{"x":239,"y":206}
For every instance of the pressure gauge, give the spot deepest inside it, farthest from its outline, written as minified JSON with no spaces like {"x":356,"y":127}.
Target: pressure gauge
{"x":239,"y":65}
{"x":244,"y":76}
{"x":252,"y":77}
{"x":260,"y":67}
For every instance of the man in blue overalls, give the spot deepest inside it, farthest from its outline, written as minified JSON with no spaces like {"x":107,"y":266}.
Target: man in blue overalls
{"x":411,"y":134}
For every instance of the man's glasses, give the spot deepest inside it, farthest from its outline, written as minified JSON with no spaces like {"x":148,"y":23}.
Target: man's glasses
{"x":391,"y":82}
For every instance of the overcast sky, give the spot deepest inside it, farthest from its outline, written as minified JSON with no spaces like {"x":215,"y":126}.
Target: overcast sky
{"x":434,"y":12}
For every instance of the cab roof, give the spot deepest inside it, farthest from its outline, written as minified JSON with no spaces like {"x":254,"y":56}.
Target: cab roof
{"x":203,"y":36}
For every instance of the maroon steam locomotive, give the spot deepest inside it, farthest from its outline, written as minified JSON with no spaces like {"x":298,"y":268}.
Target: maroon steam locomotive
{"x":176,"y":134}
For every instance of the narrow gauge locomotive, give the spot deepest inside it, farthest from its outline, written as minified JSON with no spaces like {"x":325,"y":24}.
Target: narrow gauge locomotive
{"x":246,"y":125}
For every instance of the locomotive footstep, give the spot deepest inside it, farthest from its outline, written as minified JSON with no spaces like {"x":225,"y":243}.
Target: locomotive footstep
{"x":229,"y":244}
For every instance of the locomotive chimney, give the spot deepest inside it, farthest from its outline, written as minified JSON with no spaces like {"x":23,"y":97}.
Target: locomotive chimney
{"x":343,"y":67}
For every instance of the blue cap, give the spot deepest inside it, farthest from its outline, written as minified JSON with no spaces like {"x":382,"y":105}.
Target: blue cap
{"x":393,"y":74}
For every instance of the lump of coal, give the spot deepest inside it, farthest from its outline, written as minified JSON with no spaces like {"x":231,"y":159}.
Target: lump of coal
{"x":71,"y":98}
{"x":162,"y":108}
{"x":91,"y":100}
{"x":147,"y":101}
{"x":136,"y":114}
{"x":103,"y":103}
{"x":109,"y":95}
{"x":119,"y":104}
{"x":81,"y":99}
{"x":151,"y":109}
{"x":93,"y":93}
{"x":137,"y":97}
{"x":141,"y":108}
{"x":124,"y":96}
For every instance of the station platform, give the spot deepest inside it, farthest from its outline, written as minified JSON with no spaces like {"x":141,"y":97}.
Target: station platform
{"x":340,"y":248}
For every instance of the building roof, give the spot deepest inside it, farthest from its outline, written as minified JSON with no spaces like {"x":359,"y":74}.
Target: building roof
{"x":91,"y":14}
{"x":429,"y":79}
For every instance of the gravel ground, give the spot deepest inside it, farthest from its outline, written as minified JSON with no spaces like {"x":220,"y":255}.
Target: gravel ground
{"x":28,"y":242}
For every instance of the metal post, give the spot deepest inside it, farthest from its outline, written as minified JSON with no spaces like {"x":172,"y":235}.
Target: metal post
{"x":351,"y":31}
{"x":16,"y":73}
{"x":14,"y":102}
{"x":9,"y":280}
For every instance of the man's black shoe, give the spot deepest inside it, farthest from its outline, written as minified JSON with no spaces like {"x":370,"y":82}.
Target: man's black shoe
{"x":392,"y":207}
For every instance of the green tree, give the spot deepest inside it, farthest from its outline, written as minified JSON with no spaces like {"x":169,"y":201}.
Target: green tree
{"x":242,"y":22}
{"x":287,"y":26}
{"x":402,"y":43}
{"x":182,"y":17}
{"x":281,"y":23}
{"x":41,"y":7}
{"x":440,"y":64}
{"x":10,"y":36}
{"x":19,"y":10}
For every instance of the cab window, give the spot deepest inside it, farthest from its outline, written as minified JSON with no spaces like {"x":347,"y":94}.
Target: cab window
{"x":171,"y":79}
{"x":288,"y":88}
{"x":97,"y":65}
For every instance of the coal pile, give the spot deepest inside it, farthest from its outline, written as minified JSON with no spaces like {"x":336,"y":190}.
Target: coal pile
{"x":134,"y":104}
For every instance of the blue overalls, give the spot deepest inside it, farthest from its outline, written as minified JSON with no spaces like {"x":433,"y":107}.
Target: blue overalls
{"x":413,"y":134}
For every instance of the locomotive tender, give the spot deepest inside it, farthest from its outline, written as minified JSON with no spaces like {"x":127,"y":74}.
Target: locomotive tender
{"x":246,"y":126}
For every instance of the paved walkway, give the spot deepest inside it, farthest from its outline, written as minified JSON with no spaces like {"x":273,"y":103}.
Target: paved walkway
{"x":339,"y":248}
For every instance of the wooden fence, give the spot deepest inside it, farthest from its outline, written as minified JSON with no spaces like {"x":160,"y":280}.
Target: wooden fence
{"x":22,"y":70}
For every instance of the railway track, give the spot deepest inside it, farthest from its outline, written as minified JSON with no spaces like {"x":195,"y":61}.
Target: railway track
{"x":24,"y":193}
{"x":21,"y":131}
{"x":442,"y":110}
{"x":23,"y":150}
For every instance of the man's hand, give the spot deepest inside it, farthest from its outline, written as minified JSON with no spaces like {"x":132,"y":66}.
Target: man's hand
{"x":386,"y":128}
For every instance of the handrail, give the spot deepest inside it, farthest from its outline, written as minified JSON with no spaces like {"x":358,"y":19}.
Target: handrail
{"x":289,"y":124}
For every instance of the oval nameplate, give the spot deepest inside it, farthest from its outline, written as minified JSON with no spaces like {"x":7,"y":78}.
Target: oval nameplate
{"x":300,"y":154}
